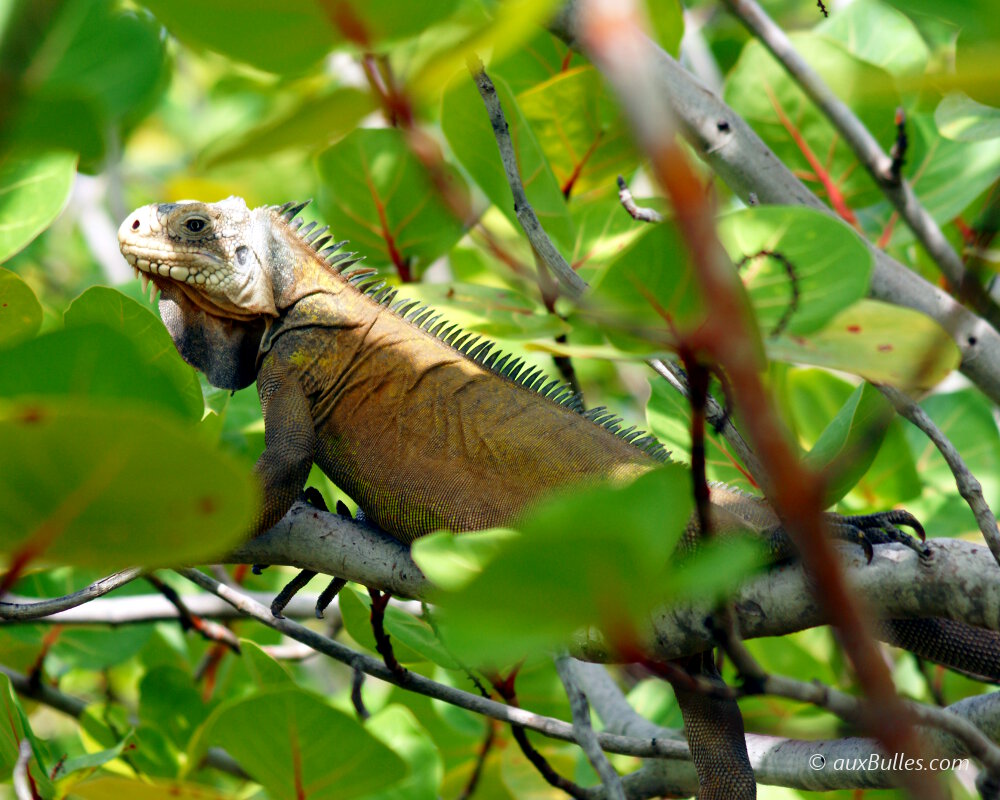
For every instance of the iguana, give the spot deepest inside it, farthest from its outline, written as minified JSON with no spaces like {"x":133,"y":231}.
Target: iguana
{"x":424,"y":426}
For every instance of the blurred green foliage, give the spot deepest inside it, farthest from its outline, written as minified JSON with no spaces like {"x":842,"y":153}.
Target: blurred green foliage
{"x":115,"y":452}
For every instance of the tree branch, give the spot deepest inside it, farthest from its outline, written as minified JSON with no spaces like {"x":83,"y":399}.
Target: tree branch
{"x":26,"y":610}
{"x":411,"y":681}
{"x":968,"y":486}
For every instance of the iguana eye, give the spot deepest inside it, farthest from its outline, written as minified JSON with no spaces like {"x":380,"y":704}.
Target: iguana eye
{"x":195,"y":225}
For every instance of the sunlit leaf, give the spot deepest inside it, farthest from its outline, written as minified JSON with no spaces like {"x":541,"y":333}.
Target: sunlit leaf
{"x":34,"y":188}
{"x":825,"y":267}
{"x":100,"y":305}
{"x":580,"y":129}
{"x":961,"y":118}
{"x":879,"y":34}
{"x":295,"y":745}
{"x":881,"y":342}
{"x":379,"y":195}
{"x":20,"y":311}
{"x":601,"y":557}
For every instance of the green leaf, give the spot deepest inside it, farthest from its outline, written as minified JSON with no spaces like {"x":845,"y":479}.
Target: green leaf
{"x":467,"y":127}
{"x":838,"y":421}
{"x":451,"y":561}
{"x":319,"y":121}
{"x":946,"y":175}
{"x":962,"y":119}
{"x":966,"y":418}
{"x":759,"y":89}
{"x":830,"y":265}
{"x":581,"y":131}
{"x":399,"y":730}
{"x":667,"y":19}
{"x":111,"y":787}
{"x":20,"y":311}
{"x":264,"y":671}
{"x":600,"y":557}
{"x":880,"y":342}
{"x":12,"y":732}
{"x":268,"y":34}
{"x":104,"y":483}
{"x":495,"y":311}
{"x":89,"y":763}
{"x":94,"y":362}
{"x":72,"y":95}
{"x":649,"y":280}
{"x":171,"y":702}
{"x":378,"y":195}
{"x":34,"y":189}
{"x":97,"y":648}
{"x":879,"y":34}
{"x":603,"y":230}
{"x":413,"y":640}
{"x":103,"y":306}
{"x":295,"y":745}
{"x":534,"y":61}
{"x":851,"y":440}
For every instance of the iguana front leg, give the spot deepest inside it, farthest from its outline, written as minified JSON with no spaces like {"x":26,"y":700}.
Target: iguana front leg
{"x":289,"y":443}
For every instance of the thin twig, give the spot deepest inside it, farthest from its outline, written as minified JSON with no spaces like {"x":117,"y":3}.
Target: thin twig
{"x":547,"y":726}
{"x":635,"y":211}
{"x":42,"y":608}
{"x":870,"y":154}
{"x":540,"y":241}
{"x":580,"y":709}
{"x":208,"y":630}
{"x":967,"y":484}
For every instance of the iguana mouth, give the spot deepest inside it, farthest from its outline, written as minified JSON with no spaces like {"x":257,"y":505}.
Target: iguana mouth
{"x":179,"y":283}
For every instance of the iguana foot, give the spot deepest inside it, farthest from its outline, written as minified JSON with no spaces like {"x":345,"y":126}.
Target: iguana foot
{"x":312,"y":496}
{"x":867,"y":530}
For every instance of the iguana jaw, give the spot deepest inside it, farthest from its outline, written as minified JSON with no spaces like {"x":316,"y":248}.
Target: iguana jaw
{"x":189,"y":252}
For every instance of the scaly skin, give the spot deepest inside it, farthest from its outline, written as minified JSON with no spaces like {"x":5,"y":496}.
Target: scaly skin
{"x":421,"y":435}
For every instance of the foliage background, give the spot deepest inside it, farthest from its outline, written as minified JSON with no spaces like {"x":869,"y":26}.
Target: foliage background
{"x":116,"y":453}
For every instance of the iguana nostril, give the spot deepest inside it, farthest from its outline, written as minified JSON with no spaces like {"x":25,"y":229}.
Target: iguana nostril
{"x":135,"y":224}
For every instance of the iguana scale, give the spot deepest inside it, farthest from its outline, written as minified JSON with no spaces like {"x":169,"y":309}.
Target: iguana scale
{"x":424,"y":426}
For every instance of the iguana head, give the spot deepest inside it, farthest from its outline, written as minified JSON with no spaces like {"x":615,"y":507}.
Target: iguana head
{"x":214,"y":266}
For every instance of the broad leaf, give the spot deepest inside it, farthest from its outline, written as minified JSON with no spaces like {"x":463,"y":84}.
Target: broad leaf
{"x":34,"y":188}
{"x":100,"y":305}
{"x":581,"y":131}
{"x":878,"y":341}
{"x":14,"y":730}
{"x":20,"y":311}
{"x":104,"y":483}
{"x":295,"y":745}
{"x":92,"y":361}
{"x":880,"y":35}
{"x":451,"y":561}
{"x":600,"y":557}
{"x":398,"y":729}
{"x":824,"y":267}
{"x":379,"y":195}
